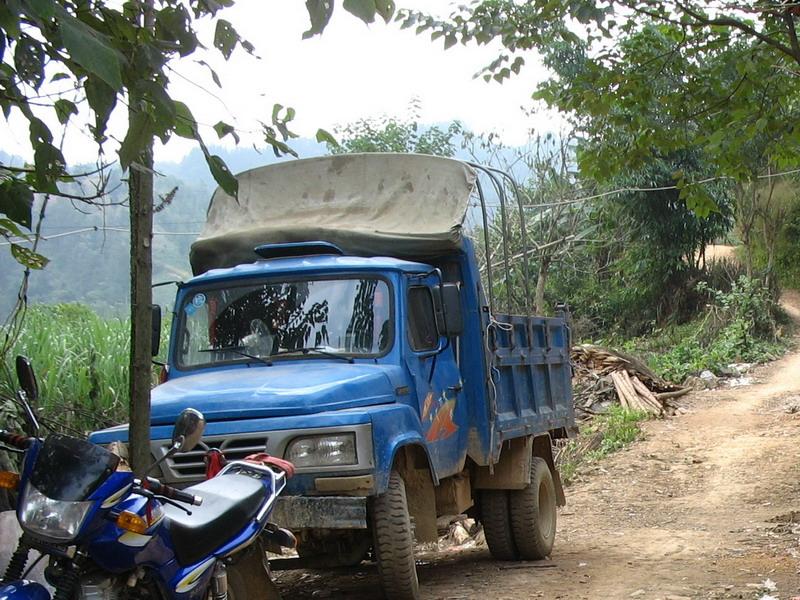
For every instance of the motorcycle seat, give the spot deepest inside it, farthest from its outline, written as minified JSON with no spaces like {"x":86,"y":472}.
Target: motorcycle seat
{"x":230,"y":502}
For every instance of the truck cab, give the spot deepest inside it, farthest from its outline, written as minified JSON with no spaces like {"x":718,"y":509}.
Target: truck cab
{"x":317,"y":358}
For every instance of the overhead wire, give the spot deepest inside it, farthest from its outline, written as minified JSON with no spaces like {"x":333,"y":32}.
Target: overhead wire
{"x":93,"y":229}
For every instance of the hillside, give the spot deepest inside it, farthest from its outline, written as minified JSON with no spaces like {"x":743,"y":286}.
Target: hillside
{"x":88,"y":246}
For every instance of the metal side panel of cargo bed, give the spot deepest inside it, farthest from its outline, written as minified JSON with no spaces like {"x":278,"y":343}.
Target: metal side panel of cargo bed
{"x":532,"y":376}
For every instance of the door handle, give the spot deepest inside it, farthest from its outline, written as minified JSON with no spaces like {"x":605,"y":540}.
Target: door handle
{"x":456,"y":388}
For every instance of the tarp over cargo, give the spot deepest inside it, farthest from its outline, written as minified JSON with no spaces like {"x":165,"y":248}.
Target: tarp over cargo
{"x":403,"y":205}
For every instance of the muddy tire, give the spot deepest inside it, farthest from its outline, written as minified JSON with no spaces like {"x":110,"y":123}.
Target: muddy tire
{"x":533,"y":513}
{"x":497,"y":524}
{"x":393,"y":542}
{"x":249,"y":577}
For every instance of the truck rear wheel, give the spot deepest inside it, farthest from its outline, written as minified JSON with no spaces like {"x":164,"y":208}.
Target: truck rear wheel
{"x":393,"y":542}
{"x":533,"y":513}
{"x":497,"y":524}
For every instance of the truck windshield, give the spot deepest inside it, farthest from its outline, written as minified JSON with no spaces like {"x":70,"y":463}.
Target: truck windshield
{"x":253,"y":322}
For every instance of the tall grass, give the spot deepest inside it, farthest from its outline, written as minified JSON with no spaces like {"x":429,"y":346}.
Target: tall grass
{"x":81,"y":363}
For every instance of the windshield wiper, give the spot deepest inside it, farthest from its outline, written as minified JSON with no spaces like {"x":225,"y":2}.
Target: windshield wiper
{"x":240,"y":351}
{"x":318,"y":350}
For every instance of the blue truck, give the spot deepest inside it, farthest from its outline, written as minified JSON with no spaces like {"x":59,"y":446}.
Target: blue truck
{"x":344,"y":316}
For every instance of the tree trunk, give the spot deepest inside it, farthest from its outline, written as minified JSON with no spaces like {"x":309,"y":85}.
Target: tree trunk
{"x":140,"y":190}
{"x":745,"y":217}
{"x":541,"y":282}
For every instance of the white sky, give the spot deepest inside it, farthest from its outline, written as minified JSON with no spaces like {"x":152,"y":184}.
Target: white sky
{"x":351,"y":71}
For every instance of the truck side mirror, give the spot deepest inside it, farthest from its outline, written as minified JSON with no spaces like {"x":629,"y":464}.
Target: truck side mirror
{"x":156,"y":332}
{"x":451,"y":316}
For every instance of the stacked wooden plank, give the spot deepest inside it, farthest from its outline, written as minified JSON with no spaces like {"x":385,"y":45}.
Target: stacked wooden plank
{"x":603,"y":375}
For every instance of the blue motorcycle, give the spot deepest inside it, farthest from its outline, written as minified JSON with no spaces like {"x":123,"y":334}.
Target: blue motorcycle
{"x":108,"y":535}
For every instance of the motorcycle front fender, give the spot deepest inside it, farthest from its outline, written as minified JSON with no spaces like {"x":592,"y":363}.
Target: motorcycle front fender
{"x":24,"y":590}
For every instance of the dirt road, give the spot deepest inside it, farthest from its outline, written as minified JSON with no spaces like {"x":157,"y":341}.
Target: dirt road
{"x":706,"y":506}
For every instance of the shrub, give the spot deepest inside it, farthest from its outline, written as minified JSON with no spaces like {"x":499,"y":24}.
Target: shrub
{"x":738,"y":325}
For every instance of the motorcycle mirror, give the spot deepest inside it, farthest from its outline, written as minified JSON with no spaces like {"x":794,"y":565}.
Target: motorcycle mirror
{"x":27,"y":378}
{"x":188,"y":430}
{"x":28,"y":394}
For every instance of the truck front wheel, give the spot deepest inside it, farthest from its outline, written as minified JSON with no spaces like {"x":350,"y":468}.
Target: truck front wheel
{"x":533,"y":513}
{"x":393,"y":542}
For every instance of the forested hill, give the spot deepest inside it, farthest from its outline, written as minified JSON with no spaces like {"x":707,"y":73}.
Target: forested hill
{"x":91,"y":266}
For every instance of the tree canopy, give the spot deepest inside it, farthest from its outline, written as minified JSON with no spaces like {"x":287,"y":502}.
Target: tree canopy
{"x":104,"y":51}
{"x":645,"y":77}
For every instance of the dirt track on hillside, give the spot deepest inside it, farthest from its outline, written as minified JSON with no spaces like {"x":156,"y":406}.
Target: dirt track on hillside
{"x":706,"y":506}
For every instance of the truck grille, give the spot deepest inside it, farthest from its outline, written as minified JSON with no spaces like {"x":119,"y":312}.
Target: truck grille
{"x":191,"y":466}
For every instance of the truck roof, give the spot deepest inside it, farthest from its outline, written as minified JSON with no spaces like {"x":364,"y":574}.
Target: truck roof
{"x":311,"y":265}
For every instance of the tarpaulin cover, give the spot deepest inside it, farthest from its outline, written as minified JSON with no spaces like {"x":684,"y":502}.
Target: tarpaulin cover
{"x":402,"y":205}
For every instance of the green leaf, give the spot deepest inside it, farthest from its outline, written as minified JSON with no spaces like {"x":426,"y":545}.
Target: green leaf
{"x":225,"y":38}
{"x":222,"y":175}
{"x":91,"y":49}
{"x":319,"y":11}
{"x":223,"y":129}
{"x":9,"y":19}
{"x":185,"y":124}
{"x":59,"y":77}
{"x":29,"y":60}
{"x":279,"y":148}
{"x":8,"y":227}
{"x":16,"y":201}
{"x":28,"y":258}
{"x":163,"y":108}
{"x":175,"y":24}
{"x":214,"y":75}
{"x":139,"y":135}
{"x":324,"y":137}
{"x":44,"y":9}
{"x":385,"y":9}
{"x":49,"y":166}
{"x":102,"y":100}
{"x":363,"y":9}
{"x":64,"y":110}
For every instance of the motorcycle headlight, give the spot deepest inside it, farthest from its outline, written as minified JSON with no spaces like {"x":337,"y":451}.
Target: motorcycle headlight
{"x":323,"y":450}
{"x":53,"y":519}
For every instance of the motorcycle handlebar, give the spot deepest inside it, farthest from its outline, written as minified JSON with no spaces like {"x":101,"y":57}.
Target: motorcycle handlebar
{"x":162,"y":489}
{"x":15,"y":440}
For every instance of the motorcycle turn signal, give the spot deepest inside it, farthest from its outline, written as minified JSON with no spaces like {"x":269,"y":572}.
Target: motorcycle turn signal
{"x":9,"y":480}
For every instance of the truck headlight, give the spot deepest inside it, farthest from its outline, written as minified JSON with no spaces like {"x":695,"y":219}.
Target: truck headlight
{"x":323,"y":450}
{"x":52,"y":519}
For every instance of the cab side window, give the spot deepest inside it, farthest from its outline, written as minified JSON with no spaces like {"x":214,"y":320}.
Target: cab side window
{"x":422,"y":332}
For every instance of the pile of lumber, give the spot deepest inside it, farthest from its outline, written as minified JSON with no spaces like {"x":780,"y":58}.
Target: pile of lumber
{"x":603,"y":375}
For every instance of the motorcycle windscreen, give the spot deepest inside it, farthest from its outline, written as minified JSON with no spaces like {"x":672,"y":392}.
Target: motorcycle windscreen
{"x":70,"y":469}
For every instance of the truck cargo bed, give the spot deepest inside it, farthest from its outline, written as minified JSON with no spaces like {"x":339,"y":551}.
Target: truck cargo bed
{"x":531,"y":376}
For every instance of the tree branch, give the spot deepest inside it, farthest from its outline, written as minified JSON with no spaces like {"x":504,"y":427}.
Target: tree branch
{"x":740,"y":25}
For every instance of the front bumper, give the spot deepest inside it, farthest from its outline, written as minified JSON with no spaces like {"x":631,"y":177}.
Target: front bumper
{"x":320,"y":512}
{"x":189,"y":467}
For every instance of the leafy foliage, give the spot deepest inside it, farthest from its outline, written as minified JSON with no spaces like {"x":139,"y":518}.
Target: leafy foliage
{"x":389,"y":134}
{"x":617,"y":428}
{"x":81,"y":363}
{"x":739,"y":325}
{"x":649,"y":76}
{"x":105,"y":50}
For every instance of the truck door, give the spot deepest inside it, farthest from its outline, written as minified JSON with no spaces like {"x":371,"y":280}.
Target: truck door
{"x":431,"y":360}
